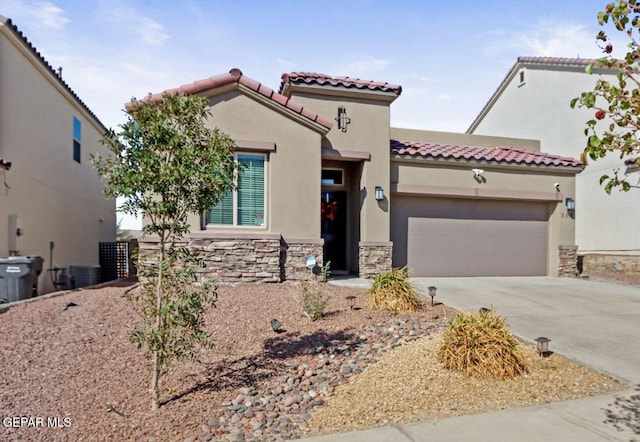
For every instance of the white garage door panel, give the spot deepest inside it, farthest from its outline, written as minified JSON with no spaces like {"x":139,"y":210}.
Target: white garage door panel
{"x":476,"y":247}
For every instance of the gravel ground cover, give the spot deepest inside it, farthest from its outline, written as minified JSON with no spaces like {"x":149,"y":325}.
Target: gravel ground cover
{"x":75,"y":370}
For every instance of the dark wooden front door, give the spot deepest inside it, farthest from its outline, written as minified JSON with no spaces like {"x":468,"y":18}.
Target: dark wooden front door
{"x":333,"y":214}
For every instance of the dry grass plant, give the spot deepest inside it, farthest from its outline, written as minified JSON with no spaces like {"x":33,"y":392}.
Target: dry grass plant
{"x":480,"y":345}
{"x":394,"y":292}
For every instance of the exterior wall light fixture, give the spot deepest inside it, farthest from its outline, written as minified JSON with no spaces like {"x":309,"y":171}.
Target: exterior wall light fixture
{"x":571,"y":207}
{"x":342,"y":119}
{"x":379,"y":193}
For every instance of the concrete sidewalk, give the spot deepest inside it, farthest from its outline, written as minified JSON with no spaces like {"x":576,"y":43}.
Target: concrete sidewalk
{"x":595,"y":323}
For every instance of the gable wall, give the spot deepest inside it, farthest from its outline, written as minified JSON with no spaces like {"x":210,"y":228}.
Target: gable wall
{"x":367,"y":132}
{"x":293,"y":174}
{"x":55,"y":198}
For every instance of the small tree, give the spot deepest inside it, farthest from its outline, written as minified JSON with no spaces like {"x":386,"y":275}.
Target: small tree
{"x":616,"y":104}
{"x":167,"y":163}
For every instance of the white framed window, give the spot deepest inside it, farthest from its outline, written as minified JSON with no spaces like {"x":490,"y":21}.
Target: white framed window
{"x":246,"y":205}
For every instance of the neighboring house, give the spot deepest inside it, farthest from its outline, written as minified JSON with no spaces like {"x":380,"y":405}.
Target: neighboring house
{"x":51,"y":194}
{"x":326,"y":176}
{"x":533,"y":102}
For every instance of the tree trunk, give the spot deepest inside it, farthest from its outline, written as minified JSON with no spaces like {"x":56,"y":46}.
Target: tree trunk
{"x":155,"y":363}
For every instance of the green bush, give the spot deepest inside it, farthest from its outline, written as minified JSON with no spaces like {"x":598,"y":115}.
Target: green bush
{"x":393,"y":291}
{"x":313,"y":300}
{"x":481,"y":345}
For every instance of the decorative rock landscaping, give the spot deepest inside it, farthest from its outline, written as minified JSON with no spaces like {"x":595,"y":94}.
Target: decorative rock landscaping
{"x":278,"y":410}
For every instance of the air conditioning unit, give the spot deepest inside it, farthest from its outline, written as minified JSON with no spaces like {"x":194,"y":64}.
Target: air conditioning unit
{"x":85,"y":275}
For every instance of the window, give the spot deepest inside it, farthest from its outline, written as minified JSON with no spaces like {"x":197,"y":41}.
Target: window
{"x":331,"y":177}
{"x":245,"y":206}
{"x":77,"y":139}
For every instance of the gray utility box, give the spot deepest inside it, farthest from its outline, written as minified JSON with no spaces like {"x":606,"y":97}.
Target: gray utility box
{"x":85,"y":275}
{"x":19,"y":277}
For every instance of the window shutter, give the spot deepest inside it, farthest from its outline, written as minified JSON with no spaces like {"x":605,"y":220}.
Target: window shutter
{"x":222,"y":213}
{"x":251,"y":190}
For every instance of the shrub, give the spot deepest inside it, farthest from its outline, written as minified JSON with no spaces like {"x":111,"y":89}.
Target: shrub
{"x":393,"y":291}
{"x":313,"y":300}
{"x":481,"y":345}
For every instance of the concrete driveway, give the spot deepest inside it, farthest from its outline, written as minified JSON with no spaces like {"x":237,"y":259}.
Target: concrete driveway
{"x":594,"y":323}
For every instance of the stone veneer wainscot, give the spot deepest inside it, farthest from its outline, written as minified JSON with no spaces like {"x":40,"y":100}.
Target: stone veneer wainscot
{"x":246,"y":257}
{"x":374,"y":258}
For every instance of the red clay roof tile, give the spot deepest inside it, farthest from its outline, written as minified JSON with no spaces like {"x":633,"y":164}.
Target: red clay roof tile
{"x":235,"y":76}
{"x":498,"y":154}
{"x":314,"y":78}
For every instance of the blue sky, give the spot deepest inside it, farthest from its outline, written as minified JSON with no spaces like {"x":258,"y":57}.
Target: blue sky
{"x":449,"y":57}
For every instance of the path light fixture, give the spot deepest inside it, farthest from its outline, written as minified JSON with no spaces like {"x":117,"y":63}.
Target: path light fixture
{"x":542,"y":345}
{"x":352,"y":301}
{"x":379,"y":194}
{"x":432,"y":293}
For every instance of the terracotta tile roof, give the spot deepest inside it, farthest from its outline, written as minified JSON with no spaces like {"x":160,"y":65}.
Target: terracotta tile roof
{"x":498,"y":154}
{"x":313,"y":78}
{"x":236,"y":76}
{"x":6,"y":165}
{"x":4,"y":21}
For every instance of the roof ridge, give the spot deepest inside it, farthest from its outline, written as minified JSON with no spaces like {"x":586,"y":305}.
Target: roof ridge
{"x":314,"y":78}
{"x":235,"y":75}
{"x":12,"y":26}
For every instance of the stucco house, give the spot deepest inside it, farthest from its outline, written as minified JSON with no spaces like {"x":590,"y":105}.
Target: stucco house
{"x":328,"y":177}
{"x":533,"y":102}
{"x":51,"y":194}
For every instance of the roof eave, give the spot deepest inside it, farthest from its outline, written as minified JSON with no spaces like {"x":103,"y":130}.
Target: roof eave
{"x":462,"y":162}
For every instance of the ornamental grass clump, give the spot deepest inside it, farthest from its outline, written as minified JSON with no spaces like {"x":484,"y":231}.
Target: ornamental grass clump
{"x":480,"y":345}
{"x":394,"y":292}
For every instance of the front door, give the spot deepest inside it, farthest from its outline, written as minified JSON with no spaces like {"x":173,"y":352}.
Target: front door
{"x":333,"y":213}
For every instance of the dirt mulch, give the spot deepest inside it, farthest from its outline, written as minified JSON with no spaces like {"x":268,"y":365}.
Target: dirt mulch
{"x":78,"y":364}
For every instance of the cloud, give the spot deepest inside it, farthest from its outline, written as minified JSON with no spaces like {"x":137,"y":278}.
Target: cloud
{"x":362,"y":65}
{"x":45,"y":14}
{"x":150,"y":31}
{"x":132,"y":21}
{"x":547,"y":38}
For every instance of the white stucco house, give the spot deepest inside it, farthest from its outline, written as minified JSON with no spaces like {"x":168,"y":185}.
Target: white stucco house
{"x":533,"y":101}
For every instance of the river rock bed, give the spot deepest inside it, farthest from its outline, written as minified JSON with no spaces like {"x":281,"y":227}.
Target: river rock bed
{"x":278,"y":410}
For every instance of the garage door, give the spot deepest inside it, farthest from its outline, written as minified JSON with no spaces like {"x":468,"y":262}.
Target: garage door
{"x":458,"y":237}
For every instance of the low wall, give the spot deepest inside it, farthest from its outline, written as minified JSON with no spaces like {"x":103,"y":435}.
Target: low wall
{"x":240,"y":258}
{"x":608,"y":263}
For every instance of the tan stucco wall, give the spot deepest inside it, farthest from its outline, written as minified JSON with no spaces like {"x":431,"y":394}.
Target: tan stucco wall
{"x":454,"y":180}
{"x":293,"y":169}
{"x":55,"y":198}
{"x":539,"y":108}
{"x":367,"y":132}
{"x":453,"y":138}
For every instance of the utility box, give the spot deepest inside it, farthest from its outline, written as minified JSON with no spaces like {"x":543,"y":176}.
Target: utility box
{"x":84,"y":275}
{"x":19,"y":277}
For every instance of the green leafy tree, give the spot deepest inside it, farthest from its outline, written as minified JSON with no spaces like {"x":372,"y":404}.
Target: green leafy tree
{"x":615,"y":124}
{"x":167,"y":163}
